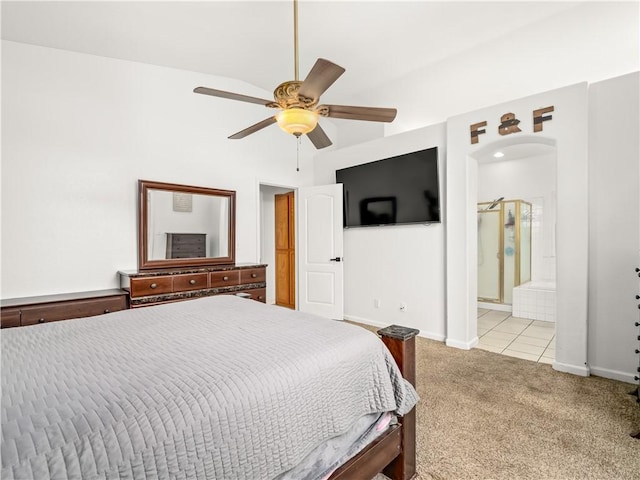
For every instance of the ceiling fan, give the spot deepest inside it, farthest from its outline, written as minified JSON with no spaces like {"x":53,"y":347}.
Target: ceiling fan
{"x":298,"y":101}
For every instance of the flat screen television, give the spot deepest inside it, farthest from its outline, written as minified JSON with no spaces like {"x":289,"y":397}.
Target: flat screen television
{"x":394,"y":191}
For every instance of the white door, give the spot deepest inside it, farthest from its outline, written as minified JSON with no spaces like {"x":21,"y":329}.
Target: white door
{"x":320,"y":281}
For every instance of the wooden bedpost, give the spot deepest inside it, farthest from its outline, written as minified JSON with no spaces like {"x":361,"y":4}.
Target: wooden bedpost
{"x":394,"y":452}
{"x":401,"y":342}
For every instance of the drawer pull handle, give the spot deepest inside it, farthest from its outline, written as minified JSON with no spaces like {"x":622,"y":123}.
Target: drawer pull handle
{"x":154,"y":285}
{"x":225,"y":278}
{"x":260,"y":297}
{"x":254,"y":275}
{"x":41,"y":320}
{"x":106,"y":310}
{"x":192,"y":282}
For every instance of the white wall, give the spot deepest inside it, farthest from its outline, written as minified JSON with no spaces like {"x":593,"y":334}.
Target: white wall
{"x":394,"y":264}
{"x":614,"y":234}
{"x":78,"y":131}
{"x":354,"y":133}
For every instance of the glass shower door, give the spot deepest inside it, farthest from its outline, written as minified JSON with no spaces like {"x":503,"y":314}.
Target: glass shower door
{"x":489,"y":258}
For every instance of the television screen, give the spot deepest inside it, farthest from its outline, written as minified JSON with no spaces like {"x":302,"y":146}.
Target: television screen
{"x":393,"y":191}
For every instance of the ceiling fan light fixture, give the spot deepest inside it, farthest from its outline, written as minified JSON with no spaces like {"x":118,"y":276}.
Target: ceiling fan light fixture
{"x":297,"y":121}
{"x":298,"y":101}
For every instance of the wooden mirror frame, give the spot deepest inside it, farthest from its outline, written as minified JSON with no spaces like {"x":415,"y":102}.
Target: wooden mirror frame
{"x":144,"y":263}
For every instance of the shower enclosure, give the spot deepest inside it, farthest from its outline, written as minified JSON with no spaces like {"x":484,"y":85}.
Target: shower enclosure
{"x":504,"y":249}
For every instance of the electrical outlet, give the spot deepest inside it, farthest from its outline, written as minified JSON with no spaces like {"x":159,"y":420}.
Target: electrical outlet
{"x":403,"y":307}
{"x":376,"y":303}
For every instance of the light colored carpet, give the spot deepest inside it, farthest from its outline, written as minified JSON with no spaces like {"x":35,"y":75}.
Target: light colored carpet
{"x":489,"y":416}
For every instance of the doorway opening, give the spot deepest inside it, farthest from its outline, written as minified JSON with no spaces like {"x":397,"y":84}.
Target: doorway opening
{"x":277,"y":243}
{"x":516,"y":249}
{"x":318,"y":244}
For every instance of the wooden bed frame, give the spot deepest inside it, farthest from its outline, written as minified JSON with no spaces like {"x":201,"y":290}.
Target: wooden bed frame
{"x":394,"y":452}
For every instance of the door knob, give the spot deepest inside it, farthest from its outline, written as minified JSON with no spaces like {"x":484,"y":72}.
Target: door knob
{"x":337,"y":259}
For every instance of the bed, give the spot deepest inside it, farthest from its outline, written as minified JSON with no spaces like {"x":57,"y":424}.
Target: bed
{"x":213,"y":388}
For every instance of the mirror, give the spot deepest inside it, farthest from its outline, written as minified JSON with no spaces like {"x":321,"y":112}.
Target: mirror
{"x":184,"y":226}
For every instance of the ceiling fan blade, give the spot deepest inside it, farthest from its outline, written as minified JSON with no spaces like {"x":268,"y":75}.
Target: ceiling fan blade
{"x":318,"y":137}
{"x":372,"y":114}
{"x":231,"y":96}
{"x":253,"y":128}
{"x":321,"y":77}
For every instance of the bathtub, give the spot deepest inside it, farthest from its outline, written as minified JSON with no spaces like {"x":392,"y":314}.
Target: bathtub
{"x":535,"y":300}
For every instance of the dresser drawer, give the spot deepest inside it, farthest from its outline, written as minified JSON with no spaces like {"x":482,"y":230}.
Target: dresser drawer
{"x":151,"y":286}
{"x":10,"y":317}
{"x":253,"y":275}
{"x":224,"y":279}
{"x":187,"y":238}
{"x":188,"y":254}
{"x":73,"y":309}
{"x":196,"y":281}
{"x":259,"y":294}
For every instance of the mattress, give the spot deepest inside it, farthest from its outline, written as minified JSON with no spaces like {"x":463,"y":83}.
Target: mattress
{"x":213,"y":388}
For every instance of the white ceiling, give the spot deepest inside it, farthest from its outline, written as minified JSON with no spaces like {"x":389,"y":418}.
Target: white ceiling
{"x":376,"y":41}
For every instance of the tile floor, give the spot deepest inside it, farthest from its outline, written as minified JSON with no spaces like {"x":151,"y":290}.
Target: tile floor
{"x":499,"y":332}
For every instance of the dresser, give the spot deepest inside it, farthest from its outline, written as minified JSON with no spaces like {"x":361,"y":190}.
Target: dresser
{"x":186,"y":245}
{"x":19,"y":312}
{"x":151,"y":287}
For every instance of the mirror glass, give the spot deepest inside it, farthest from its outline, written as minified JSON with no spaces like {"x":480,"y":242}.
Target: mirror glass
{"x":182,"y":225}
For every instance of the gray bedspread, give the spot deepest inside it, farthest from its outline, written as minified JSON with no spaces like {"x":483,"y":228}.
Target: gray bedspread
{"x":213,"y":388}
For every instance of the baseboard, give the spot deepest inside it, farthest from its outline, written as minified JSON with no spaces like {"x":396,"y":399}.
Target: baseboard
{"x":580,"y":370}
{"x":429,"y":335}
{"x":353,"y":318}
{"x":614,"y":375}
{"x":462,"y":345}
{"x":495,"y":306}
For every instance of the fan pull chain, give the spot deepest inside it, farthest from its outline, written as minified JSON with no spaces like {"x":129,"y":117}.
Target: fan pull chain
{"x":298,"y":154}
